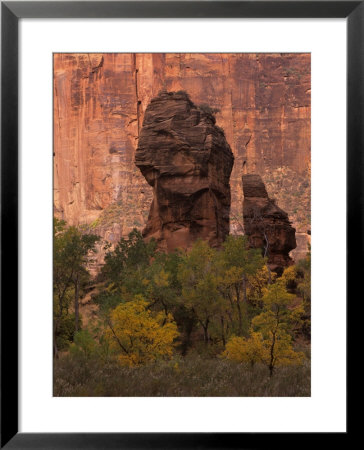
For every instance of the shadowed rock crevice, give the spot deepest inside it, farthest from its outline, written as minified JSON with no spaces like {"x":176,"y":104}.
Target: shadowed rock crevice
{"x":186,"y":159}
{"x":267,"y":226}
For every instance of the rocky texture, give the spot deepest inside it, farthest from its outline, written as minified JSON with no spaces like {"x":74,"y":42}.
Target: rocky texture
{"x":267,"y":225}
{"x":186,"y":159}
{"x":99,"y":105}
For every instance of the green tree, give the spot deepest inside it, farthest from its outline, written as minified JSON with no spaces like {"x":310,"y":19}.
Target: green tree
{"x":162,"y":287}
{"x":125,"y":266}
{"x":71,"y":253}
{"x":198,"y":274}
{"x":239,"y":262}
{"x":304,"y":290}
{"x":165,"y":292}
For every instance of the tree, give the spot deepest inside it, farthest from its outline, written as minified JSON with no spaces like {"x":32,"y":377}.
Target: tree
{"x":275,"y":323}
{"x":198,"y":274}
{"x":162,"y":287}
{"x":257,"y":285}
{"x":304,"y":289}
{"x":297,"y":279}
{"x":125,"y":266}
{"x":169,"y":297}
{"x":137,"y":335}
{"x":129,"y":254}
{"x":71,"y":252}
{"x":239,"y":262}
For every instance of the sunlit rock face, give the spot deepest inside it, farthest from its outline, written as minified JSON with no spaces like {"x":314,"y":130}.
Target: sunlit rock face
{"x":187,"y":161}
{"x":267,"y":225}
{"x":264,"y":103}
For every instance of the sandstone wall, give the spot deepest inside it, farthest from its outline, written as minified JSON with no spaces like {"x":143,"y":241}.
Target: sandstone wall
{"x":99,"y":103}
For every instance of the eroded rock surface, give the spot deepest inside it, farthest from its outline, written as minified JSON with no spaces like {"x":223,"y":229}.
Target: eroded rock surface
{"x":99,"y":105}
{"x":267,"y":225}
{"x":186,"y":159}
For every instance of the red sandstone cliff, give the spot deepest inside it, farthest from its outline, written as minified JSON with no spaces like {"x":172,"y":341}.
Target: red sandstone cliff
{"x":186,"y":159}
{"x":99,"y":105}
{"x":266,"y":224}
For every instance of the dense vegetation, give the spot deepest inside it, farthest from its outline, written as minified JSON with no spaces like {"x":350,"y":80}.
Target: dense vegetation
{"x":206,"y":322}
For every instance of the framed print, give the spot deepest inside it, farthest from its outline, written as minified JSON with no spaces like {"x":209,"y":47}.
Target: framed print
{"x":182,"y":181}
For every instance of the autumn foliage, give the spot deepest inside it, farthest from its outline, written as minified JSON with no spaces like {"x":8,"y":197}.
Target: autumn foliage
{"x":220,"y":304}
{"x":137,"y":335}
{"x":270,"y":341}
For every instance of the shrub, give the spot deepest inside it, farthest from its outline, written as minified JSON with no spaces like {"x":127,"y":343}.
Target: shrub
{"x":240,"y":349}
{"x":179,"y":377}
{"x":84,"y":345}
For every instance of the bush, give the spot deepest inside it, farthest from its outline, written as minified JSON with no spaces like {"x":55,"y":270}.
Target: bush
{"x":84,"y":345}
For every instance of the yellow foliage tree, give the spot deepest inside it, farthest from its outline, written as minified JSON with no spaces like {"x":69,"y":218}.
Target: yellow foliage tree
{"x":278,"y":318}
{"x":289,"y":275}
{"x":257,"y":284}
{"x":270,"y":341}
{"x":137,"y":335}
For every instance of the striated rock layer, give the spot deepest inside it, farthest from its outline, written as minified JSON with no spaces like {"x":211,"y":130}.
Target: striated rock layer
{"x":99,"y":105}
{"x":267,"y":225}
{"x":186,"y":159}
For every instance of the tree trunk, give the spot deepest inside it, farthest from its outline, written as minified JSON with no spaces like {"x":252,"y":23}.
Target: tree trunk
{"x":271,"y":368}
{"x":239,"y":310}
{"x":205,"y":332}
{"x":245,"y":298}
{"x":271,"y":362}
{"x":55,"y":348}
{"x":56,"y":324}
{"x":269,"y":275}
{"x":188,"y":328}
{"x":77,"y":295}
{"x":222,"y":330}
{"x":165,"y":313}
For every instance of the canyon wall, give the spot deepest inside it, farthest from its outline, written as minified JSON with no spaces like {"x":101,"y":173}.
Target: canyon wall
{"x":263,"y":103}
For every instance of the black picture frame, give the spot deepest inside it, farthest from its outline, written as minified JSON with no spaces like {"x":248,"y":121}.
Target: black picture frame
{"x":11,"y":12}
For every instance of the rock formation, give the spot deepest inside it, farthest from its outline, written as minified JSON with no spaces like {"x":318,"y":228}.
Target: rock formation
{"x":186,"y":159}
{"x":99,"y":105}
{"x":267,"y":225}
